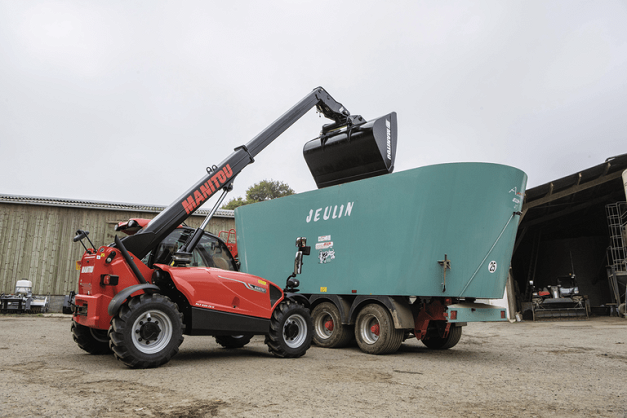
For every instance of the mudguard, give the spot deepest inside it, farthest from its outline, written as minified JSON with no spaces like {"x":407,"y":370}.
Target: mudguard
{"x":297,"y":297}
{"x":121,"y":297}
{"x":400,"y":310}
{"x":343,"y":305}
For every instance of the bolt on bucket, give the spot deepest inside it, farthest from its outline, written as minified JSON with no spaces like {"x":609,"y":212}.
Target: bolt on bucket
{"x":354,"y":152}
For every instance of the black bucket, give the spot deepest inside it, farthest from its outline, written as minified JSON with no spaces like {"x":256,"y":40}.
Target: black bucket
{"x":345,"y":155}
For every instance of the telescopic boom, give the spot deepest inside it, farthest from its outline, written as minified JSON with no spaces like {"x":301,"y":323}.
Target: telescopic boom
{"x":221,"y":177}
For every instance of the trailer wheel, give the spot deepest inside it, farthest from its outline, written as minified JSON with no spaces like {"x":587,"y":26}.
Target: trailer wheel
{"x":439,"y":343}
{"x":147,"y":331}
{"x":94,"y":341}
{"x":291,"y":330}
{"x":328,"y":331}
{"x":233,"y":341}
{"x":375,"y":332}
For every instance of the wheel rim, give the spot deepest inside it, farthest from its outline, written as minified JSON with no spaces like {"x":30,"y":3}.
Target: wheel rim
{"x":295,"y":331}
{"x":324,"y":326}
{"x":369,"y":329}
{"x":151,"y":332}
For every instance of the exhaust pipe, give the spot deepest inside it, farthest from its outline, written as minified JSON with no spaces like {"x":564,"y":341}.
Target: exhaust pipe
{"x":354,"y":152}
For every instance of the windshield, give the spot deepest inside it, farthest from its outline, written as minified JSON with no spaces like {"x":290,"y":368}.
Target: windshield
{"x":210,"y":251}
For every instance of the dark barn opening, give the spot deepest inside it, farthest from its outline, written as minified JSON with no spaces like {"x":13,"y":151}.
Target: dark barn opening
{"x":564,"y":230}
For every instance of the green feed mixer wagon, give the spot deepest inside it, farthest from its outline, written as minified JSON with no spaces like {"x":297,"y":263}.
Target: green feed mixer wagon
{"x":392,"y":256}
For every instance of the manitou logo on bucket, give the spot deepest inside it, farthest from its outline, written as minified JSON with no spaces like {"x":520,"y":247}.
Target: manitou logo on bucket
{"x":330,"y":212}
{"x":389,"y":138}
{"x":206,"y":190}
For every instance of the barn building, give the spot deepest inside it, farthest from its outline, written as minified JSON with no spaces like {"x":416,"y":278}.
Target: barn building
{"x":36,"y":238}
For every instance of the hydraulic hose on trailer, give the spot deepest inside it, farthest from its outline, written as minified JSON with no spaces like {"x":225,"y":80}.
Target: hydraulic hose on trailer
{"x":129,"y":260}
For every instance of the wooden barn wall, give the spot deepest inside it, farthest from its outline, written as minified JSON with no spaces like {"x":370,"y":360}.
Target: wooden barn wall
{"x":36,"y":242}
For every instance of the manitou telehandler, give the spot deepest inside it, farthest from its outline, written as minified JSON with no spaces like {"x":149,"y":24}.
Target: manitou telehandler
{"x":139,"y":295}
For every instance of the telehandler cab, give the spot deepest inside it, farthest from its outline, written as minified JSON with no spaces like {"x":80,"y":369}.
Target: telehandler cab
{"x":139,"y":295}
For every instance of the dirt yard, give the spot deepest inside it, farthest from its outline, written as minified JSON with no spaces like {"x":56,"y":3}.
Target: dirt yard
{"x":527,"y":369}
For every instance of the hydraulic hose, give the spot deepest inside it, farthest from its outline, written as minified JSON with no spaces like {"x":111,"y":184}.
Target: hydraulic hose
{"x":129,"y":260}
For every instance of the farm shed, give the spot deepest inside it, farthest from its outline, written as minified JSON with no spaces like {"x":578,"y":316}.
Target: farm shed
{"x":564,"y":229}
{"x":36,"y":237}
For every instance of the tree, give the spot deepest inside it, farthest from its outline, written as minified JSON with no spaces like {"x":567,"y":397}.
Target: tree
{"x":234,"y":203}
{"x":259,"y":192}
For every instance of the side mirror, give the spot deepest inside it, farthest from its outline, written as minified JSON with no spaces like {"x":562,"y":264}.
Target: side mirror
{"x":298,"y":263}
{"x":303,"y":249}
{"x":292,"y":283}
{"x":80,"y":234}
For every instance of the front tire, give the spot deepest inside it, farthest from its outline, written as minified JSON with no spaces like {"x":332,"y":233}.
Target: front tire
{"x":233,"y":341}
{"x":375,"y":332}
{"x":328,"y":330}
{"x":94,"y":341}
{"x":291,"y":330}
{"x":439,"y":343}
{"x":147,"y":331}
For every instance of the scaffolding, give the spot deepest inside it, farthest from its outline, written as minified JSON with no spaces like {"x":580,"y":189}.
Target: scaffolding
{"x":617,"y":253}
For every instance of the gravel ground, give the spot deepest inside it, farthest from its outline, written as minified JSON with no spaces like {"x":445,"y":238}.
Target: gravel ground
{"x":527,"y":369}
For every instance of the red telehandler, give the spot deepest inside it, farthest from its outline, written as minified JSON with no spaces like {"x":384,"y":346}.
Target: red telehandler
{"x":139,"y":295}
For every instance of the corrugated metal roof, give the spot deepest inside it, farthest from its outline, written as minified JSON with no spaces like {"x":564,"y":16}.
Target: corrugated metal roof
{"x":576,"y":194}
{"x":592,"y":176}
{"x":90,"y":204}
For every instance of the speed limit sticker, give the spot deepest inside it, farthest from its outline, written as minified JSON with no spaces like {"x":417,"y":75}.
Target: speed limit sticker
{"x":492,"y":266}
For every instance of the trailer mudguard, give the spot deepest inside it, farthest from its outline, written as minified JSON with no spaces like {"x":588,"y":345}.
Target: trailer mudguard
{"x":343,"y":305}
{"x":399,"y":309}
{"x":121,"y":297}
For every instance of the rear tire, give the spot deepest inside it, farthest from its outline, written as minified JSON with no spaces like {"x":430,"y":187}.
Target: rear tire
{"x":94,"y":341}
{"x":328,"y":330}
{"x":233,"y":341}
{"x":291,"y":330}
{"x":147,"y":331}
{"x":439,"y":343}
{"x":375,"y":332}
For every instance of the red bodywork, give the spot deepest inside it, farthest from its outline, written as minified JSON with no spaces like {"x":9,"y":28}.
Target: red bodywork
{"x":223,"y":290}
{"x":203,"y":287}
{"x":95,"y":295}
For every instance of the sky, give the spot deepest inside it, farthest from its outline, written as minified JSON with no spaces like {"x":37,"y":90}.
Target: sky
{"x":122,"y":101}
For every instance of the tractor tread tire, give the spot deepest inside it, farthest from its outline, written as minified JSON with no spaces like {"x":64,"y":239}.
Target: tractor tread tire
{"x":84,"y":337}
{"x":120,"y":332}
{"x":276,"y":340}
{"x":439,"y":343}
{"x":232,"y":341}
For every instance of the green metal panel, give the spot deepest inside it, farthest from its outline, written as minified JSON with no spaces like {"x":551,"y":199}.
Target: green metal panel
{"x":385,"y":235}
{"x":476,"y":312}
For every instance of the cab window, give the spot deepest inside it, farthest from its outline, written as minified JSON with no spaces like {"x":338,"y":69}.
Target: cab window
{"x":210,"y":251}
{"x":215,"y":253}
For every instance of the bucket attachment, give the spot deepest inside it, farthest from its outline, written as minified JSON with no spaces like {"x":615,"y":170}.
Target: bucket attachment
{"x":351,"y":153}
